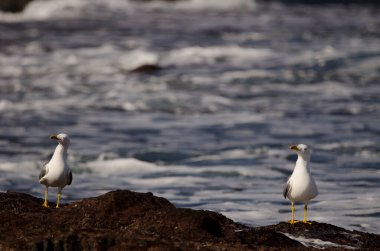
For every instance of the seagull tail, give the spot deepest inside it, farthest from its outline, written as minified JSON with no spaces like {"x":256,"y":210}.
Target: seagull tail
{"x":42,"y":181}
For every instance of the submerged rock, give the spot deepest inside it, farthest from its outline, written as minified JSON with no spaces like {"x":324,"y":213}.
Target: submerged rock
{"x":146,"y":68}
{"x":125,"y":220}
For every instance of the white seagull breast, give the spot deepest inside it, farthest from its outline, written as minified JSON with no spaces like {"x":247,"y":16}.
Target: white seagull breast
{"x":302,"y":187}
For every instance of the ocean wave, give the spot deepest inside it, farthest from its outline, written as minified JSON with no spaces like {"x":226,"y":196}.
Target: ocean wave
{"x":44,"y":10}
{"x":233,"y":54}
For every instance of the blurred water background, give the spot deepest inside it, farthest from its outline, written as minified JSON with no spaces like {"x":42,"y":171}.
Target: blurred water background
{"x":197,"y":101}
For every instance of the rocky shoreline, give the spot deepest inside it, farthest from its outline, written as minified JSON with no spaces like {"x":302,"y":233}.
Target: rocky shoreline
{"x":125,"y":220}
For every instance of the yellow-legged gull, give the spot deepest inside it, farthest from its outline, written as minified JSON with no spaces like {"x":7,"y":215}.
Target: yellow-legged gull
{"x":301,"y":186}
{"x":57,"y":173}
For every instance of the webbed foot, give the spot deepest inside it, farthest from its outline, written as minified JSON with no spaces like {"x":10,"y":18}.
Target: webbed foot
{"x":293,"y":221}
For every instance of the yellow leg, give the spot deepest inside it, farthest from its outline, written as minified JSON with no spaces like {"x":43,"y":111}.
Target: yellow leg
{"x":292,"y":221}
{"x":58,"y":198}
{"x":305,"y":215}
{"x":46,"y":204}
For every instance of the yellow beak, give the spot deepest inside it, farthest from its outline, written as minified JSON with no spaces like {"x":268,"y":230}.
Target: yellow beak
{"x":294,"y":147}
{"x":54,"y":137}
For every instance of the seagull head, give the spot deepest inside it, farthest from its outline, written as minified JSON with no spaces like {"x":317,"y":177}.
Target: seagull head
{"x":302,"y":150}
{"x":62,"y":139}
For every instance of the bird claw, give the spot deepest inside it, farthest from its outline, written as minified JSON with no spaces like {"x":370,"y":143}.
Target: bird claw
{"x":293,"y":221}
{"x":45,"y":205}
{"x":307,"y":222}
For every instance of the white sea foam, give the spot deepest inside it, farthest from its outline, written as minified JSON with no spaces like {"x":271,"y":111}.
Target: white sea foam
{"x":122,"y":166}
{"x":315,"y":56}
{"x":317,"y":243}
{"x":243,"y":37}
{"x":216,"y":4}
{"x":209,"y":55}
{"x":57,"y":8}
{"x":43,"y":10}
{"x":135,"y":58}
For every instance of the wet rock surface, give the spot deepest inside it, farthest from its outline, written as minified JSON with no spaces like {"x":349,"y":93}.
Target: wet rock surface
{"x":125,"y":220}
{"x":146,"y":68}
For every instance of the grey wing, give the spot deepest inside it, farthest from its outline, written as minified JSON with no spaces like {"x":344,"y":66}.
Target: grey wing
{"x":69,"y":178}
{"x":287,"y":189}
{"x":43,"y":172}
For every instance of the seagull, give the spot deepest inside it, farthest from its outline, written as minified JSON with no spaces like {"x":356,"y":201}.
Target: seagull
{"x":301,"y":186}
{"x":57,"y":173}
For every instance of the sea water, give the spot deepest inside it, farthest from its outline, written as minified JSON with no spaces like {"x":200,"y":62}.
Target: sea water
{"x":239,"y":82}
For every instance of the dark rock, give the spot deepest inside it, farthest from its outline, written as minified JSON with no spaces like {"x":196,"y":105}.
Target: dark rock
{"x":124,"y":220}
{"x":146,"y":68}
{"x":13,"y":5}
{"x":327,"y":232}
